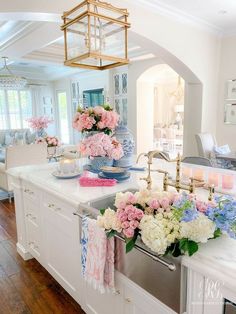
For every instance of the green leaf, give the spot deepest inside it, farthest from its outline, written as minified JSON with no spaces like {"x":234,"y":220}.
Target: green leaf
{"x":102,"y":211}
{"x":130,"y":243}
{"x":217,"y":233}
{"x":111,"y":234}
{"x":174,"y":250}
{"x":188,"y":246}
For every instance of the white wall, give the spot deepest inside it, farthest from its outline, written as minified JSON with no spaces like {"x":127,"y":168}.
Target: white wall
{"x":226,"y":133}
{"x":190,"y":51}
{"x":40,"y":91}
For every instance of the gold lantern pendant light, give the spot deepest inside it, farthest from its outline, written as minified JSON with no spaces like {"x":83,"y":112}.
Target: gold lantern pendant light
{"x":96,"y":35}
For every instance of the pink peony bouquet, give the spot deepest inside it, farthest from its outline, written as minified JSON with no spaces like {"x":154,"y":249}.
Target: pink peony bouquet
{"x":39,"y":123}
{"x":100,"y":118}
{"x":52,"y":141}
{"x":102,"y":145}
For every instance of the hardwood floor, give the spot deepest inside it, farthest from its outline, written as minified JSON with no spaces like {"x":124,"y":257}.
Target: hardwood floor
{"x":25,"y":286}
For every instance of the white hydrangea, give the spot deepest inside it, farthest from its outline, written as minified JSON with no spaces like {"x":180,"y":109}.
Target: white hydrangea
{"x":199,"y":230}
{"x":159,"y":232}
{"x":109,"y":221}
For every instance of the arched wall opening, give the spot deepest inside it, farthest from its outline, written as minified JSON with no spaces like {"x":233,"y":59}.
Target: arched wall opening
{"x":139,"y":112}
{"x":161,"y":89}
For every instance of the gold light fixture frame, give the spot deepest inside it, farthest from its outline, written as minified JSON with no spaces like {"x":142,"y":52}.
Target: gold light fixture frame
{"x":70,"y":18}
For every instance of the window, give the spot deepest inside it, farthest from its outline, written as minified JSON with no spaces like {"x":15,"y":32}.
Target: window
{"x":63,"y":117}
{"x":93,"y":98}
{"x":15,"y":108}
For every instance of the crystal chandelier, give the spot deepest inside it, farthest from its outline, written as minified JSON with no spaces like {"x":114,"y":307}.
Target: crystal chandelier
{"x":8,"y":79}
{"x":96,"y":35}
{"x":178,"y":93}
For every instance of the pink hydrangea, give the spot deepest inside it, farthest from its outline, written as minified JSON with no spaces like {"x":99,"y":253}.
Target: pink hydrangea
{"x":109,"y":119}
{"x":95,"y":119}
{"x":101,"y":144}
{"x":83,"y":121}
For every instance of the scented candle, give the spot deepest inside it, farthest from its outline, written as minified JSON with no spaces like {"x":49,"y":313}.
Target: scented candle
{"x":186,"y":173}
{"x":67,"y":165}
{"x":213,"y":179}
{"x":198,"y":174}
{"x":227,"y":181}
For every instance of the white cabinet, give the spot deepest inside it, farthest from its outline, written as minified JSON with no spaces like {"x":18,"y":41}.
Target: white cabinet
{"x":48,"y":231}
{"x":32,"y":212}
{"x":128,"y":299}
{"x":61,"y":244}
{"x":107,"y":303}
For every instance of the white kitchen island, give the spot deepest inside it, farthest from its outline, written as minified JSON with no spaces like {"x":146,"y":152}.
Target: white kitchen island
{"x":48,"y":231}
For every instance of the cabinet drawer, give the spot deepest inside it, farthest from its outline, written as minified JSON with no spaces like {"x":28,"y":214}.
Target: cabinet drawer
{"x":58,"y":209}
{"x":30,"y":192}
{"x":32,"y":211}
{"x":33,"y":238}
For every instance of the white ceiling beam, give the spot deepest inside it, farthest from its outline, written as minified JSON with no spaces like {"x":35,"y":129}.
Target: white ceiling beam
{"x":36,"y":40}
{"x":30,"y":16}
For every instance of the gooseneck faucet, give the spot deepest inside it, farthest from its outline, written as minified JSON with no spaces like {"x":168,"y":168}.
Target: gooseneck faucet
{"x":150,"y":156}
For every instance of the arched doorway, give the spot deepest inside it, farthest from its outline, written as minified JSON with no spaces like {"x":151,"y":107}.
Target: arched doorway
{"x":140,"y":119}
{"x":161,"y":89}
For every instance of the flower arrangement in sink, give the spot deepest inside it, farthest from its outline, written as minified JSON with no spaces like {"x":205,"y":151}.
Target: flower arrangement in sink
{"x":168,"y":223}
{"x":39,"y":124}
{"x":96,"y":119}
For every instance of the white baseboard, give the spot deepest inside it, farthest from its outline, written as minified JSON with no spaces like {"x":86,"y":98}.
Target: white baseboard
{"x":23,"y":253}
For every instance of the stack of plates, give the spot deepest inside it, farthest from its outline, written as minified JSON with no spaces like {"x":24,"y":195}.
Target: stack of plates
{"x":120,"y":174}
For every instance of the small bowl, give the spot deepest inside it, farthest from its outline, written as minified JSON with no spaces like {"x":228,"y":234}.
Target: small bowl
{"x":113,"y":171}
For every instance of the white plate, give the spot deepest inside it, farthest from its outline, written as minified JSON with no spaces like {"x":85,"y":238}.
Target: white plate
{"x":70,"y":175}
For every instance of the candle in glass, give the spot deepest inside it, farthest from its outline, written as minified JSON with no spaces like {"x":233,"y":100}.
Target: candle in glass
{"x":67,"y":165}
{"x":186,"y":173}
{"x":198,"y":174}
{"x":227,"y":181}
{"x":213,"y":179}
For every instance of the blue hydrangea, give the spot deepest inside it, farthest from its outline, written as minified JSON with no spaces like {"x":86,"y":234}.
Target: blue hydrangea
{"x":224,"y":214}
{"x":185,"y":209}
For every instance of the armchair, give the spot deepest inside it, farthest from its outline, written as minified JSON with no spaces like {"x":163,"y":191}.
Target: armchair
{"x":21,"y":155}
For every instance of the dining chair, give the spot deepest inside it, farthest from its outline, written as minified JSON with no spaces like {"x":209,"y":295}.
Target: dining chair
{"x":202,"y":161}
{"x":21,"y":155}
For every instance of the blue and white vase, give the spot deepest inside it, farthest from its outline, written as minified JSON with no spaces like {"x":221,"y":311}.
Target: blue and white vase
{"x":125,"y":137}
{"x":98,"y":162}
{"x":40,"y":133}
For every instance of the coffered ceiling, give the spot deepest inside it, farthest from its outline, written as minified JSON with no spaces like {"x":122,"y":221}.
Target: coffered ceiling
{"x":30,"y":32}
{"x":36,"y":49}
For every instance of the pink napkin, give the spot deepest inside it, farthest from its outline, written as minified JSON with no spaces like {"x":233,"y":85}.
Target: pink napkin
{"x":87,"y":181}
{"x":99,"y":267}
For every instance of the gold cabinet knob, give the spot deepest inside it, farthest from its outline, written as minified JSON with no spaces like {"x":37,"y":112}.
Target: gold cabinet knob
{"x":128,"y":300}
{"x":117,"y":292}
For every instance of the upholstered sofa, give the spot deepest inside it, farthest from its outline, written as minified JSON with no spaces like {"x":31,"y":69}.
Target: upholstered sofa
{"x":10,"y":137}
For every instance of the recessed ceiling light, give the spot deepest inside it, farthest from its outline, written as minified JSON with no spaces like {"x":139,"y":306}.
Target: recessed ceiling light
{"x":222,"y":12}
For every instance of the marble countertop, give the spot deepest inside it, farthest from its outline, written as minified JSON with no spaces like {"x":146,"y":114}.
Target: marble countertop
{"x":217,"y":258}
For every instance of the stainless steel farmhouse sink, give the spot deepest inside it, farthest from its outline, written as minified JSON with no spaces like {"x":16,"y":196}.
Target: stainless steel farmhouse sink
{"x":160,"y":276}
